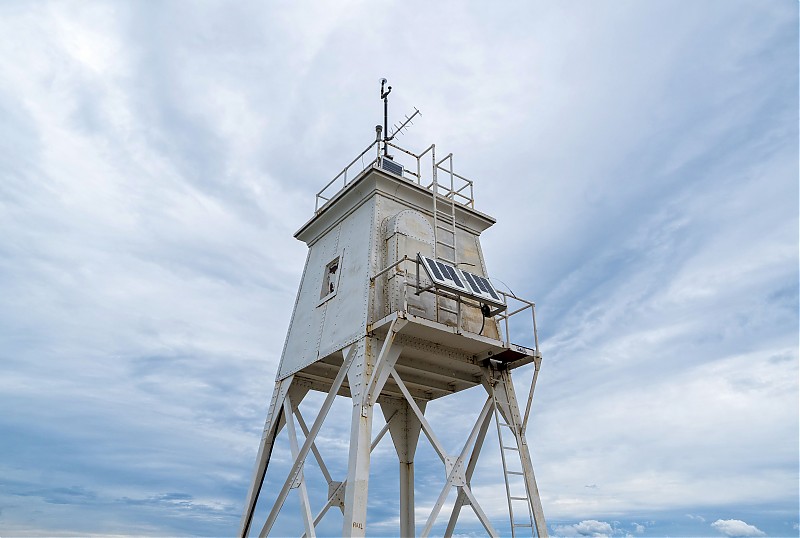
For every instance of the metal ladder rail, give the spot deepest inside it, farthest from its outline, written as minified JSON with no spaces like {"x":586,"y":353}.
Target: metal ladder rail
{"x":506,"y":472}
{"x":444,"y":219}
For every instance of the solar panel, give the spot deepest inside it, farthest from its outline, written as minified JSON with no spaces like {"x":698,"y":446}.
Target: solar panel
{"x":444,"y":274}
{"x":391,"y":166}
{"x":462,"y":282}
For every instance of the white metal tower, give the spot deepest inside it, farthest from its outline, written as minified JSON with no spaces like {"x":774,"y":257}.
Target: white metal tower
{"x":395,"y":308}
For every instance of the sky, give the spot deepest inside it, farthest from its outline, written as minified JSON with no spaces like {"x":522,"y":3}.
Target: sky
{"x":641,"y":159}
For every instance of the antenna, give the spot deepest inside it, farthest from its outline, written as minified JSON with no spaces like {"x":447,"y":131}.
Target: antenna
{"x":385,"y":97}
{"x":397,"y":129}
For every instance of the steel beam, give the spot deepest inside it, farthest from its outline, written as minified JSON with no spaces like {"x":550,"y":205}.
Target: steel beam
{"x":264,"y":452}
{"x":355,"y":496}
{"x":405,"y":429}
{"x":305,"y":506}
{"x":323,"y":412}
{"x":473,"y":461}
{"x":455,"y":476}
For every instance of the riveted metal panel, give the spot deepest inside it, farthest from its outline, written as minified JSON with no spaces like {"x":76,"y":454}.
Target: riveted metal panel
{"x":346,"y":316}
{"x":407,"y":233}
{"x":303,"y":339}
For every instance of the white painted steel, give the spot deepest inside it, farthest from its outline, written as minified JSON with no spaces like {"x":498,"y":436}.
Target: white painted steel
{"x":375,"y":339}
{"x":455,"y":475}
{"x":298,"y":461}
{"x":473,"y":460}
{"x":264,"y":452}
{"x":314,"y":450}
{"x":317,"y":327}
{"x":305,"y":506}
{"x":338,"y":487}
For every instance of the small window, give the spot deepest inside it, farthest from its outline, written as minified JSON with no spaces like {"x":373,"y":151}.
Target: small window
{"x":330,"y":280}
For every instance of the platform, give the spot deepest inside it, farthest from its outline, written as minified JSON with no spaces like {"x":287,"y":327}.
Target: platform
{"x":436,"y":359}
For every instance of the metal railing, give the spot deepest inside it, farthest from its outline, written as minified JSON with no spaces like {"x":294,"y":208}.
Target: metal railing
{"x":460,"y":189}
{"x":503,"y":315}
{"x":325,"y":196}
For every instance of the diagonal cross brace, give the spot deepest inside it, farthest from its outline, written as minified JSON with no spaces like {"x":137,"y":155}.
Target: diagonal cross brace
{"x":301,"y":456}
{"x":343,"y":484}
{"x":386,"y":359}
{"x":462,"y":497}
{"x":314,"y":450}
{"x":426,"y":427}
{"x":463,"y":487}
{"x":305,"y":507}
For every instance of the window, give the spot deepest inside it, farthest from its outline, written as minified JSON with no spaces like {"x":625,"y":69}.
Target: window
{"x":330,"y":279}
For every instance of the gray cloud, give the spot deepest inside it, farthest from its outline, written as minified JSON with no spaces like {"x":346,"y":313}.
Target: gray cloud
{"x":155,"y":161}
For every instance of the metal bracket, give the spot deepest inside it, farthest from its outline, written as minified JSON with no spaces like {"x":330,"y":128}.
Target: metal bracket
{"x":336,"y":494}
{"x":454,"y":470}
{"x":297,"y":480}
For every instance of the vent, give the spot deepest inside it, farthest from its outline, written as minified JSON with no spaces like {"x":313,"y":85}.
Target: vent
{"x":391,"y":166}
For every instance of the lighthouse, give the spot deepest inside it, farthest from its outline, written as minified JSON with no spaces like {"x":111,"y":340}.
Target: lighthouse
{"x":396,"y":308}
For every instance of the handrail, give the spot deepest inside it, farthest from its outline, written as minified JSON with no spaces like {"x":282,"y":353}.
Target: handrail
{"x":389,"y":268}
{"x":453,"y":191}
{"x":344,"y":173}
{"x":502,"y":316}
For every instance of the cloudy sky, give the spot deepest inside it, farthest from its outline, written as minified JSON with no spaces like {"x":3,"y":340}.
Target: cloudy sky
{"x":157,"y":157}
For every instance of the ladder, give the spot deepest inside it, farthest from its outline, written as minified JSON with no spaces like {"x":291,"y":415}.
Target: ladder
{"x":514,"y":479}
{"x":444,"y":228}
{"x":444,"y":218}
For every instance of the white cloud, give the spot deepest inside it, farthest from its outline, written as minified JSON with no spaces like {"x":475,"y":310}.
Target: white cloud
{"x":589,"y":527}
{"x":155,"y":161}
{"x":736,"y":527}
{"x":638,"y":529}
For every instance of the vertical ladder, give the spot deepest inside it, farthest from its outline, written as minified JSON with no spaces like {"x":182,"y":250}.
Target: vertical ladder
{"x":444,"y":227}
{"x":509,"y":445}
{"x":444,"y":217}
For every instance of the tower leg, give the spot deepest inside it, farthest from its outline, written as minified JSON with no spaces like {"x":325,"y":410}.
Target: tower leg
{"x":355,"y":497}
{"x":405,"y":429}
{"x":407,"y":499}
{"x":271,"y":429}
{"x":349,"y":354}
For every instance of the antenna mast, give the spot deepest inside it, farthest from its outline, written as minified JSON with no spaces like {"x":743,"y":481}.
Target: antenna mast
{"x":385,"y":97}
{"x":385,"y":91}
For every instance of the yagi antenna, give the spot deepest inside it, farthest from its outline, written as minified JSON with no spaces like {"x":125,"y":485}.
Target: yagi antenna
{"x":399,"y":129}
{"x":396,"y":129}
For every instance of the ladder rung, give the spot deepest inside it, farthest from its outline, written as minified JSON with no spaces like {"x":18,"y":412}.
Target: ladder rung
{"x":518,"y":473}
{"x":523,"y":525}
{"x":444,"y":308}
{"x":510,"y":448}
{"x":518,"y":498}
{"x":506,"y":425}
{"x":445,"y":244}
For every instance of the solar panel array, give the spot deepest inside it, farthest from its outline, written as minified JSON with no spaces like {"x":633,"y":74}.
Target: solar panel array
{"x":462,"y":282}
